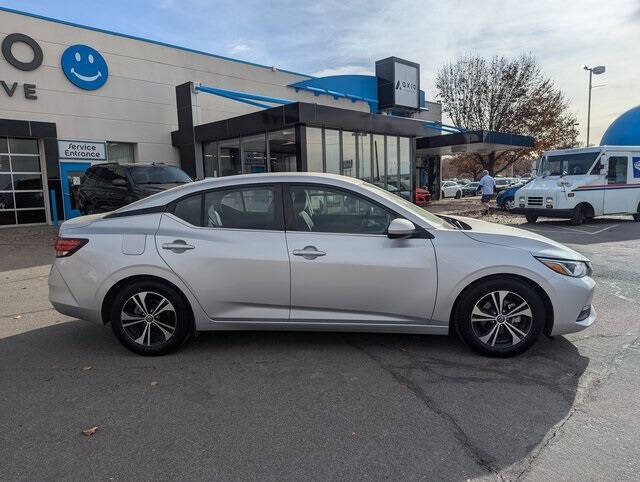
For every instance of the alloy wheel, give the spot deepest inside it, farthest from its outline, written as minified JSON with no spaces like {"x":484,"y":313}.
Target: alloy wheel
{"x":510,"y":204}
{"x":148,"y":318}
{"x":501,"y":319}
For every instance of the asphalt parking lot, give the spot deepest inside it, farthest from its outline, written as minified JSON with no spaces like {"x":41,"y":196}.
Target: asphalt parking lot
{"x":270,"y":406}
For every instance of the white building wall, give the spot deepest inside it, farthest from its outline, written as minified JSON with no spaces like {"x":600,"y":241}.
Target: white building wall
{"x":137,"y":104}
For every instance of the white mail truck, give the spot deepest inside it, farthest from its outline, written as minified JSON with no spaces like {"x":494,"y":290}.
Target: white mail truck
{"x":580,"y":184}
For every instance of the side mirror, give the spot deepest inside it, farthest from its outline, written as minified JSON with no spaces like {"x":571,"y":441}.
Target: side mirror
{"x":400,"y":228}
{"x":120,"y":182}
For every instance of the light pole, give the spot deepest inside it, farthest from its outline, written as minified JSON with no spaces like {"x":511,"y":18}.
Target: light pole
{"x":597,"y":71}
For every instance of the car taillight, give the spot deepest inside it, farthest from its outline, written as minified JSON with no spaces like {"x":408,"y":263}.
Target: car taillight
{"x":67,"y":246}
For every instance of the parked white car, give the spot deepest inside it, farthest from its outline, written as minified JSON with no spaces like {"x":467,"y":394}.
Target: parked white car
{"x":317,"y":252}
{"x":580,"y":184}
{"x":451,"y":189}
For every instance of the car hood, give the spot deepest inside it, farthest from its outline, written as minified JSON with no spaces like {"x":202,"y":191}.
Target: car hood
{"x":502,"y":235}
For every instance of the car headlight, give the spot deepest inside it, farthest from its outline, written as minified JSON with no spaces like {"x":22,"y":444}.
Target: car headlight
{"x":521,"y":199}
{"x":576,"y":269}
{"x":549,"y":200}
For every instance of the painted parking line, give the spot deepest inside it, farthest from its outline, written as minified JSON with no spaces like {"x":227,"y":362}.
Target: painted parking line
{"x":576,"y":230}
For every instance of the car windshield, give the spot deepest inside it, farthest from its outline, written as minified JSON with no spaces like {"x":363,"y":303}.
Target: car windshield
{"x":567,"y":164}
{"x":473,"y":184}
{"x":409,"y":206}
{"x":158,"y":175}
{"x":502,"y":182}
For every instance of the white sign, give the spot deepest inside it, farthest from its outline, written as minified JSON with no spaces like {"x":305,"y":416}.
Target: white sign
{"x":406,"y":86}
{"x":82,"y":151}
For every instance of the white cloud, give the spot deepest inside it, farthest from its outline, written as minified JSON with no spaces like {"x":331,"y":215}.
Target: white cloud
{"x":343,"y":70}
{"x":239,"y":49}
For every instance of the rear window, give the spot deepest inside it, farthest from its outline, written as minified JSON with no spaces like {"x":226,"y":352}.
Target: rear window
{"x":158,"y":175}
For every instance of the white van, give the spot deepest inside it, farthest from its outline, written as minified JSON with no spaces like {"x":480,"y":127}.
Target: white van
{"x":583,"y":183}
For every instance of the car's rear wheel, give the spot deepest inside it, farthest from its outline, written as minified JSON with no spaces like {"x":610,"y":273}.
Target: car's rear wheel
{"x":500,"y":317}
{"x":458,"y":194}
{"x":150,"y":317}
{"x":636,"y":217}
{"x":531,"y":218}
{"x":442,"y":196}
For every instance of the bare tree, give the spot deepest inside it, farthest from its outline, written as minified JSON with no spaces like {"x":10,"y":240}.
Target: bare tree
{"x":506,"y":95}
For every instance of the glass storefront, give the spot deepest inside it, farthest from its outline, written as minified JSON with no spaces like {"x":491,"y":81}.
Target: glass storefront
{"x":348,"y":165}
{"x":314,"y":149}
{"x":382,"y":160}
{"x":282,"y":151}
{"x":364,"y":156}
{"x":21,"y":186}
{"x":254,"y":154}
{"x":332,"y":151}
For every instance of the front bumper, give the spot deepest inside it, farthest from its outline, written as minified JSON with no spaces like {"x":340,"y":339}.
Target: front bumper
{"x":549,"y":213}
{"x":569,"y":297}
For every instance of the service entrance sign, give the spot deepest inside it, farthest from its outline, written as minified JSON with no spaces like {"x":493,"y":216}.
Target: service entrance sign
{"x":82,"y":151}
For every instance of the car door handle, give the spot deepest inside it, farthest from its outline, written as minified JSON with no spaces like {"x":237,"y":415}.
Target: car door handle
{"x":309,"y":252}
{"x":177,"y":245}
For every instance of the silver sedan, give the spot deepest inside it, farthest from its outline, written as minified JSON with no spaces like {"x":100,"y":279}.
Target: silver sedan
{"x":312,"y":252}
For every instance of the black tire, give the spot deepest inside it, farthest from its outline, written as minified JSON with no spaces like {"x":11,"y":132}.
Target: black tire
{"x":636,"y":217}
{"x":458,"y":195}
{"x":181,"y":321}
{"x":578,"y":215}
{"x":505,"y":343}
{"x":505,"y":204}
{"x":442,"y":196}
{"x":531,"y":218}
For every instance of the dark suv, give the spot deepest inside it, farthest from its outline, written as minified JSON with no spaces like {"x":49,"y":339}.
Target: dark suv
{"x":109,"y":186}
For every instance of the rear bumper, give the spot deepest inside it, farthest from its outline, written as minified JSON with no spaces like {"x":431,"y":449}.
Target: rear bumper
{"x":549,"y":213}
{"x":63,"y":300}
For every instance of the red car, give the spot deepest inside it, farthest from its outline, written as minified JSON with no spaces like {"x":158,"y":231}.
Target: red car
{"x":422,"y":196}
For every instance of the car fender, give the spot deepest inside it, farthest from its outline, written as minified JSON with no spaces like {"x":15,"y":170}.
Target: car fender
{"x":449,"y":290}
{"x":199,"y":315}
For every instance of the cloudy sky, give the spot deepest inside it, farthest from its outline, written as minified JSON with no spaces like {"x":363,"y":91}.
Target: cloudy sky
{"x":348,"y":36}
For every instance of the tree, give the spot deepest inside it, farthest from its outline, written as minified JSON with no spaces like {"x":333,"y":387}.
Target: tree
{"x":506,"y":95}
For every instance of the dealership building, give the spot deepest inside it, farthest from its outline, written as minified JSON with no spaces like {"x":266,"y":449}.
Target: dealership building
{"x":72,"y":96}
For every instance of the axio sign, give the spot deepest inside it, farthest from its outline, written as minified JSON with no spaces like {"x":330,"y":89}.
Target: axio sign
{"x":82,"y":65}
{"x":398,"y":85}
{"x":407,"y":92}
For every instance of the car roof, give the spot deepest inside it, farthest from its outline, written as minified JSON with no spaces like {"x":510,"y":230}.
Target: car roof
{"x":165,"y":197}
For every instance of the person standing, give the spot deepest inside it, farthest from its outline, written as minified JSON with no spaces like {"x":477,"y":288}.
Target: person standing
{"x":488,"y":186}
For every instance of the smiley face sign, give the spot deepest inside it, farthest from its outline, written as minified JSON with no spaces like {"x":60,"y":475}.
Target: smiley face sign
{"x":84,"y":67}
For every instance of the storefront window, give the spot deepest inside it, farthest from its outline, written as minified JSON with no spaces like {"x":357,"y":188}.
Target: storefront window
{"x":229,"y":157}
{"x":364,"y":156}
{"x":314,"y":149}
{"x":121,"y":152}
{"x":405,"y":164}
{"x":282,"y":151}
{"x":378,"y":160}
{"x":254,"y":151}
{"x":210,"y":154}
{"x":348,"y":166}
{"x":392,"y":163}
{"x":332,"y":150}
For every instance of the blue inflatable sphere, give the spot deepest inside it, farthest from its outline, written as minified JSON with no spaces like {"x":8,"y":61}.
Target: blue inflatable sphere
{"x":624,"y":131}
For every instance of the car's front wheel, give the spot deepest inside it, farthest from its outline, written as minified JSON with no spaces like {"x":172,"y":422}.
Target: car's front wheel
{"x":510,"y":204}
{"x":500,"y":317}
{"x":150,"y":317}
{"x":458,"y":194}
